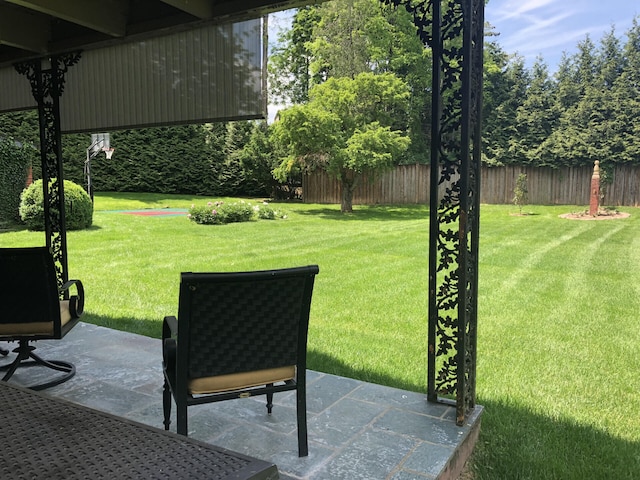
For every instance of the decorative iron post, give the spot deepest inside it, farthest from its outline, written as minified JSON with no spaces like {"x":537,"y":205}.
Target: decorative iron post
{"x":454,"y":29}
{"x":47,"y":85}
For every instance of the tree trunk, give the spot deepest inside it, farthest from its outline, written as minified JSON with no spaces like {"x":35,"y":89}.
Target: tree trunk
{"x":346,"y":205}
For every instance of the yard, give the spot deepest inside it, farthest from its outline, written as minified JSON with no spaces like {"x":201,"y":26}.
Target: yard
{"x":559,"y":342}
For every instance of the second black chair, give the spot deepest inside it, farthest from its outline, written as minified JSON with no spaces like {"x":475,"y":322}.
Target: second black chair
{"x":238,"y":335}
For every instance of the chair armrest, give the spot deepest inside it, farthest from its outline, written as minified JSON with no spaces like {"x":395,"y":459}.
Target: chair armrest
{"x":76,"y":302}
{"x":169,"y":327}
{"x":169,"y":344}
{"x":169,"y":349}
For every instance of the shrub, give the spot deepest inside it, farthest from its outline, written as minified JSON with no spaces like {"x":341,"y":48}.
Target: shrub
{"x":207,"y":215}
{"x":14,"y":161}
{"x":217,"y":213}
{"x":265,"y":212}
{"x":521,"y":192}
{"x":77,"y":204}
{"x":237,"y":212}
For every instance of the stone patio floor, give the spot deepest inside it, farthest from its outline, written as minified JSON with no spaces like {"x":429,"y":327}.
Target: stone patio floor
{"x":357,"y":430}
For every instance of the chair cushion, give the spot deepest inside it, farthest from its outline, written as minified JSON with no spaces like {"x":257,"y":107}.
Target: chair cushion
{"x":237,"y":381}
{"x":36,"y":328}
{"x":65,"y":312}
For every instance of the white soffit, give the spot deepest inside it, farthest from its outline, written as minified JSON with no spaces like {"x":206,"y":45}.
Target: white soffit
{"x":212,"y":73}
{"x":15,"y":93}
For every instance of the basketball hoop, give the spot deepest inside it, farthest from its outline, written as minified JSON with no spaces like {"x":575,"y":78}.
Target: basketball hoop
{"x":100,"y":142}
{"x":109,"y":152}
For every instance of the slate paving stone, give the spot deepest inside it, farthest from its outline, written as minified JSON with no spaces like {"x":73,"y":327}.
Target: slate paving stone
{"x":357,"y":430}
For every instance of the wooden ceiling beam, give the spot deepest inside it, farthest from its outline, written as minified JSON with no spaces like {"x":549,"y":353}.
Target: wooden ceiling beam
{"x":202,"y":9}
{"x":14,"y":33}
{"x":105,"y":16}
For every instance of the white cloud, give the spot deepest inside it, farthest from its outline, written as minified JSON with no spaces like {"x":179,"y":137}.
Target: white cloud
{"x":549,"y":27}
{"x":510,"y":9}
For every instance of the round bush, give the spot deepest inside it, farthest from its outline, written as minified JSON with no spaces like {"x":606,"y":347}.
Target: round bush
{"x":77,"y":206}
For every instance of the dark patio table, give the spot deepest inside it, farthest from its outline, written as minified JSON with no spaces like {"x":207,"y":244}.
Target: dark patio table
{"x":51,"y":438}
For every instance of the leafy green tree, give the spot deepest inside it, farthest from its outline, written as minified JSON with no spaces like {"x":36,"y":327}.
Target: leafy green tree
{"x":349,"y":37}
{"x":290,"y":61}
{"x":396,"y":48}
{"x":340,"y":42}
{"x":348,"y":128}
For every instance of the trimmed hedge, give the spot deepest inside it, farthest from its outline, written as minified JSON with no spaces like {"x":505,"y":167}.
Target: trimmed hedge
{"x":77,"y":203}
{"x":14,"y":161}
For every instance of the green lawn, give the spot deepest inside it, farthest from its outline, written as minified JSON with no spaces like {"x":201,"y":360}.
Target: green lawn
{"x":559,"y":330}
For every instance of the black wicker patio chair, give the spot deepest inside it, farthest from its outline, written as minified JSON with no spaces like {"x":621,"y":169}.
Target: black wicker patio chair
{"x":238,"y":335}
{"x":33,"y":308}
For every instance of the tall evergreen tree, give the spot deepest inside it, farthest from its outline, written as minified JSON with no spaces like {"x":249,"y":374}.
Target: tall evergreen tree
{"x":567,"y":84}
{"x":586,"y":63}
{"x":232,"y":176}
{"x":258,"y":160}
{"x":503,"y":94}
{"x":536,"y":118}
{"x":567,"y":138}
{"x":610,"y":61}
{"x":22,"y":127}
{"x":626,"y":98}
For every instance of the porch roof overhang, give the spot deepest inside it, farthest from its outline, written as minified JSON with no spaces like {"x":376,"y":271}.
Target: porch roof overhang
{"x":31,"y":29}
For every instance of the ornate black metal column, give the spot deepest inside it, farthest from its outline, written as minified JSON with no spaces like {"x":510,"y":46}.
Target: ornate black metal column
{"x":454,"y":29}
{"x":47,"y":85}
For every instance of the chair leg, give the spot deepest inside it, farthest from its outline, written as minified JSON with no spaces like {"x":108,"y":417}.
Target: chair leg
{"x":166,"y":404}
{"x":269,"y":400}
{"x":301,"y":411}
{"x":181,"y":418}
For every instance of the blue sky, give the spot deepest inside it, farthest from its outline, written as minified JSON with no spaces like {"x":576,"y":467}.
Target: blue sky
{"x":543,"y":27}
{"x":549,"y":27}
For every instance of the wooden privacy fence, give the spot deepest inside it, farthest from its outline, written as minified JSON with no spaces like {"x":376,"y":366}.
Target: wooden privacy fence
{"x":409,"y":184}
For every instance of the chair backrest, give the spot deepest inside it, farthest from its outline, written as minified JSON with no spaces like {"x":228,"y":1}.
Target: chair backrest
{"x":244,"y":321}
{"x":28,"y":286}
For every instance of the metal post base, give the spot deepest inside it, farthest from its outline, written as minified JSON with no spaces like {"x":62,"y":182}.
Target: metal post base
{"x":27,"y":358}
